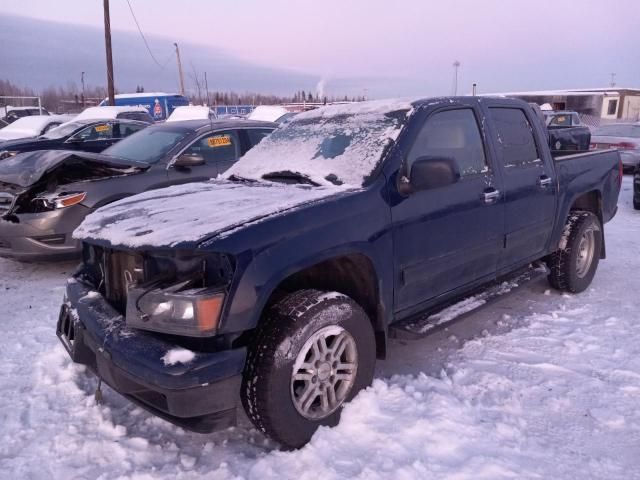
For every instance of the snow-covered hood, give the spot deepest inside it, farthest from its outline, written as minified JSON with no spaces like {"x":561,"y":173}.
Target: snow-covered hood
{"x":25,"y":169}
{"x":14,"y":134}
{"x":193,"y":212}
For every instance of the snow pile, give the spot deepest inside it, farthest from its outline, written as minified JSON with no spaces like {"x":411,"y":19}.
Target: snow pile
{"x":170,"y":217}
{"x":334,"y":145}
{"x":178,"y":355}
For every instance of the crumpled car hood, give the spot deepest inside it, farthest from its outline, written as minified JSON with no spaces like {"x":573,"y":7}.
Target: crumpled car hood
{"x":25,"y":169}
{"x":187,"y":214}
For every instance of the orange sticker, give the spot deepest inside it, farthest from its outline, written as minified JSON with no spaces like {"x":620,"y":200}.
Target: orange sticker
{"x":220,"y":141}
{"x":102,"y":128}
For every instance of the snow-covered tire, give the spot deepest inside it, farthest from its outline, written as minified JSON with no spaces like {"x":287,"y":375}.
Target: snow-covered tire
{"x":574,"y":264}
{"x":289,"y":342}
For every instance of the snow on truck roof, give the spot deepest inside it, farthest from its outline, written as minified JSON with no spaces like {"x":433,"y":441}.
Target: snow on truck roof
{"x":107,"y":112}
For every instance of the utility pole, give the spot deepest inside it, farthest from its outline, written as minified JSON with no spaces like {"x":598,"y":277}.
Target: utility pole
{"x":107,"y":42}
{"x":456,"y":66}
{"x":613,"y":80}
{"x":82,"y":81}
{"x":179,"y":69}
{"x":206,"y":87}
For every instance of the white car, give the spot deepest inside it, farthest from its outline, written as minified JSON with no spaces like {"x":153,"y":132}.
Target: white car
{"x":192,"y":112}
{"x":270,"y":113}
{"x":111,"y":113}
{"x":32,"y":126}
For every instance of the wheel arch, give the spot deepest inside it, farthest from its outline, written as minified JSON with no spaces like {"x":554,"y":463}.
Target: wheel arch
{"x":351,"y":273}
{"x":591,"y":202}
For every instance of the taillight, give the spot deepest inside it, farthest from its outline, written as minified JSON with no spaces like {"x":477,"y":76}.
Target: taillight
{"x":625,"y":145}
{"x":593,"y":146}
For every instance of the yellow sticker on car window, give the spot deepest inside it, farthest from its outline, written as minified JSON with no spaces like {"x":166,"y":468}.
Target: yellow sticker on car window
{"x":102,"y":128}
{"x":219,"y":141}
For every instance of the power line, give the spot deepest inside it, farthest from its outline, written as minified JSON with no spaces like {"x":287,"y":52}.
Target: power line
{"x":144,"y":38}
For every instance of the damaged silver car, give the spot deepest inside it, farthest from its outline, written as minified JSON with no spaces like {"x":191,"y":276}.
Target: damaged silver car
{"x":45,"y":195}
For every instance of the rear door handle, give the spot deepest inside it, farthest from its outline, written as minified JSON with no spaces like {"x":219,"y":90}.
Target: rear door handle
{"x":490,"y":196}
{"x":544,"y":181}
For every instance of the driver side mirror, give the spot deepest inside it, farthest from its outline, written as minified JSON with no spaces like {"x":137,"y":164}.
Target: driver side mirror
{"x":431,"y":172}
{"x":187,"y":160}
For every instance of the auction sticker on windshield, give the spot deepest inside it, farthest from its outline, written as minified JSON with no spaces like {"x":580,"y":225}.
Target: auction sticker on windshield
{"x":220,"y":141}
{"x":102,"y":128}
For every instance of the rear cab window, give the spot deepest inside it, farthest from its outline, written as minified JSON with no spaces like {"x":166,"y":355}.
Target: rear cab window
{"x":515,"y":140}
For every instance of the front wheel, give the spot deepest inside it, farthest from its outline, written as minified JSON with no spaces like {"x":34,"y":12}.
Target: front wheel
{"x":573,"y":265}
{"x":312,"y":353}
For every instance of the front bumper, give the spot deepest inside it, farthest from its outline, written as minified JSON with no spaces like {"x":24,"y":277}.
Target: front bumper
{"x":45,"y":235}
{"x":201,"y":395}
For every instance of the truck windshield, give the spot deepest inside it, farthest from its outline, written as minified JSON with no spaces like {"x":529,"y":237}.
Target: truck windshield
{"x":337,"y":145}
{"x":149,"y":145}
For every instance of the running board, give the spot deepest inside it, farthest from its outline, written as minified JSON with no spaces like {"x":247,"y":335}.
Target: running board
{"x":439,"y":318}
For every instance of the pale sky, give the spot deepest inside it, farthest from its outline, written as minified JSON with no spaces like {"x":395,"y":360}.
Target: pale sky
{"x":501,"y":44}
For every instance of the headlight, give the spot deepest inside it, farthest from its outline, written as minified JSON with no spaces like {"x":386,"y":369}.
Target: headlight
{"x":192,"y":312}
{"x":62,"y":200}
{"x":6,"y":154}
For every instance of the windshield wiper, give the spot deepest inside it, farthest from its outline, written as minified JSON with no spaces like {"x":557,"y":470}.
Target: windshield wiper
{"x":238,"y":178}
{"x":287,"y":176}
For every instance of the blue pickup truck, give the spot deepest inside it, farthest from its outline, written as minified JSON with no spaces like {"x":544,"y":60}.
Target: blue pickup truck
{"x":275,"y":285}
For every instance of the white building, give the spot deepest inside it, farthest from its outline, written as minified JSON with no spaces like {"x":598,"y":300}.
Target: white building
{"x":608,"y":104}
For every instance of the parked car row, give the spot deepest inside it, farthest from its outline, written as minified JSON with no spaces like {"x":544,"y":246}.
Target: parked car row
{"x":623,"y":136}
{"x":45,"y":194}
{"x":274,"y":286}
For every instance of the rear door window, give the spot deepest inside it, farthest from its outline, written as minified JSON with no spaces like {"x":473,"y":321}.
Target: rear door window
{"x":515,"y":137}
{"x":256,"y":135}
{"x":453,"y":134}
{"x":123,"y":130}
{"x":216,"y":147}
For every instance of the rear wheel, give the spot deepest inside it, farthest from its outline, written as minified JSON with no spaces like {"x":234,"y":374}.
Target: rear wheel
{"x":313,"y":353}
{"x":573,"y":265}
{"x":636,"y":203}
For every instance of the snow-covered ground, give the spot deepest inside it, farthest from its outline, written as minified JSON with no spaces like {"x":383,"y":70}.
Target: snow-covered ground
{"x":533,"y":385}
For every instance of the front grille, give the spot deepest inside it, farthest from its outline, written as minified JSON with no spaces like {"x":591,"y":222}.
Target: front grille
{"x":121,"y":271}
{"x":6,"y":202}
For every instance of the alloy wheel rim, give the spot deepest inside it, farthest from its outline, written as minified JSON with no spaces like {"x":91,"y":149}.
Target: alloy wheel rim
{"x":586,"y":248}
{"x":324,"y":372}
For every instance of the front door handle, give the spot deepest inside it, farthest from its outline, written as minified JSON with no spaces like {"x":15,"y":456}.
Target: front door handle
{"x":544,"y":181}
{"x":490,"y":196}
